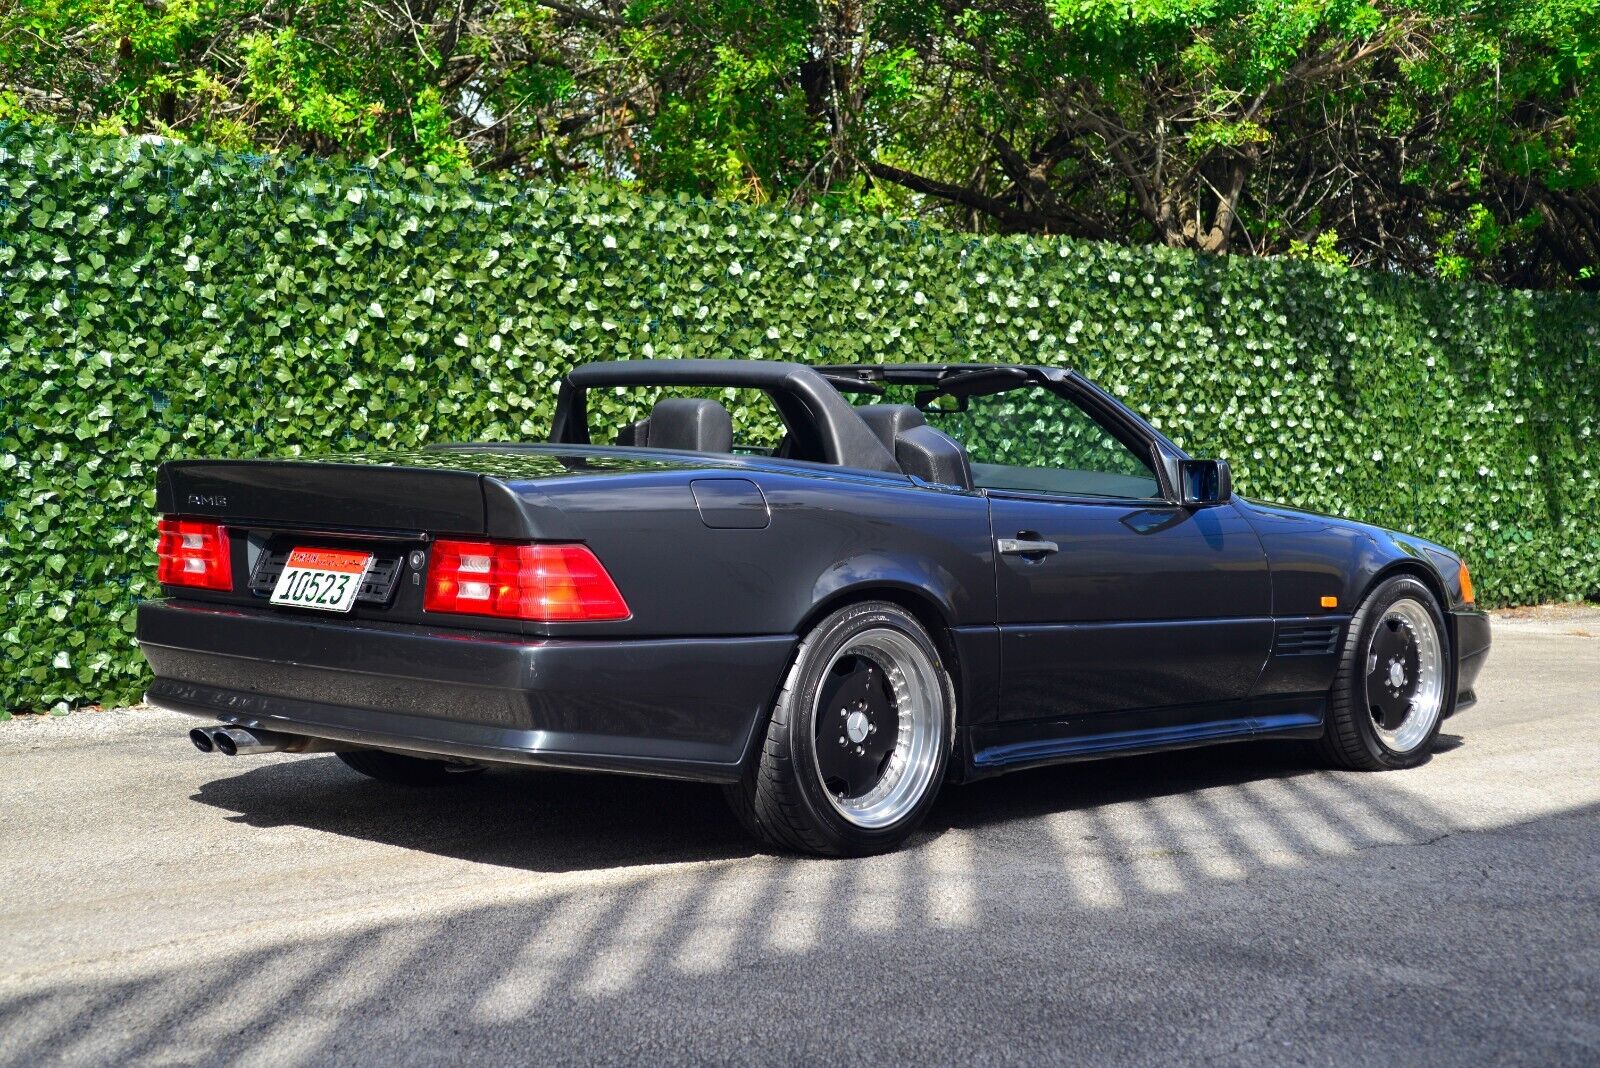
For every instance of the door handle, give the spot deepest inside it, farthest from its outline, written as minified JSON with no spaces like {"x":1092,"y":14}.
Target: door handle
{"x":1025,"y":546}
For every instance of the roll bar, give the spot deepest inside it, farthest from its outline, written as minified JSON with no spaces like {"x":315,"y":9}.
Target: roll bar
{"x":818,"y":418}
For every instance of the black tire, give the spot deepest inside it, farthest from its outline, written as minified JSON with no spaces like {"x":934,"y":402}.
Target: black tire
{"x":406,"y":770}
{"x":782,"y":798}
{"x":1353,"y":739}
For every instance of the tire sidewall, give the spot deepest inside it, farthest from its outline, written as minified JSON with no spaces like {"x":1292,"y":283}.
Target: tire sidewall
{"x":1401,"y":587}
{"x":810,"y":667}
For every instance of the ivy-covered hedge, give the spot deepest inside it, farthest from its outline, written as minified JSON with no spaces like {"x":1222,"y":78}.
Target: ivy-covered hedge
{"x":160,"y":301}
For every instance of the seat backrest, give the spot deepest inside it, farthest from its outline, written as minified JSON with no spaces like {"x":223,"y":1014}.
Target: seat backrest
{"x":686,"y":424}
{"x":921,"y":450}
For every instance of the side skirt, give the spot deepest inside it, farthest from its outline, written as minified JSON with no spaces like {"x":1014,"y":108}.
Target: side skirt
{"x":1001,"y":747}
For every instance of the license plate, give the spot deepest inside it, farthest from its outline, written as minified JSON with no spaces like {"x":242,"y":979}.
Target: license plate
{"x":325,"y":579}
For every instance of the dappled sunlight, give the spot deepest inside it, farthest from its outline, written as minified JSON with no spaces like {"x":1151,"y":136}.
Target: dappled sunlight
{"x":637,"y":940}
{"x":1148,"y":856}
{"x":1088,"y":869}
{"x":297,"y":1036}
{"x":690,"y":925}
{"x":1212,"y":849}
{"x":794,"y":923}
{"x":555,"y":937}
{"x":726,"y":913}
{"x":878,"y":894}
{"x":951,"y":900}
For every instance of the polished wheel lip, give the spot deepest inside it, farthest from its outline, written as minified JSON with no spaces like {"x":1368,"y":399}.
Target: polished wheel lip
{"x":918,"y":693}
{"x":1426,"y":696}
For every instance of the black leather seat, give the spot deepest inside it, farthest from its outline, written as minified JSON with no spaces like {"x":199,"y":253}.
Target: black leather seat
{"x":683,"y":424}
{"x":921,"y":450}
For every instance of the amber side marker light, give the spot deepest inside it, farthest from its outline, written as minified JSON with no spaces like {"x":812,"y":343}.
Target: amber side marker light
{"x":1330,"y":602}
{"x":1467,"y":596}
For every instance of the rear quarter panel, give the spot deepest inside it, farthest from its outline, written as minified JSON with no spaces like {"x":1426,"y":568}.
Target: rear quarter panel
{"x":827,"y":535}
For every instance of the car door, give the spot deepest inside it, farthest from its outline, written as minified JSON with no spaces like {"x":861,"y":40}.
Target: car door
{"x":1110,"y":598}
{"x":1139,"y":605}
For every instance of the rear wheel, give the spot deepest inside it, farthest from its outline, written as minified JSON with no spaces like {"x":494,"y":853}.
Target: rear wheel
{"x":858,"y":741}
{"x":406,"y":770}
{"x":1393,"y":684}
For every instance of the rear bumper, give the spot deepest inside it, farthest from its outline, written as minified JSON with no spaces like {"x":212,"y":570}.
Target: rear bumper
{"x":684,"y":708}
{"x":1472,"y":650}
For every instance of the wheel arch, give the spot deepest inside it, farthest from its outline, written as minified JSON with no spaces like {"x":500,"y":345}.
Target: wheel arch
{"x":924,"y":606}
{"x":927,"y":609}
{"x":771,"y":797}
{"x":1411,"y":567}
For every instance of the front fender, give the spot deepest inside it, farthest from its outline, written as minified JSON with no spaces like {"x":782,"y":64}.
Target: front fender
{"x":1315,"y":556}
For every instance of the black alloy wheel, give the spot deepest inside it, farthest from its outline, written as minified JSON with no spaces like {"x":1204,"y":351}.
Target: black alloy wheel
{"x":857,"y":745}
{"x":1393,"y":686}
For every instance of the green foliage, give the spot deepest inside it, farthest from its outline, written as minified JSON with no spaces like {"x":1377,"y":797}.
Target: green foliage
{"x":163,"y":301}
{"x":1459,"y":138}
{"x":1028,"y":427}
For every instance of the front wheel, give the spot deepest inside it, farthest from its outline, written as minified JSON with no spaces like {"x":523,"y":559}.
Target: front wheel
{"x":858,"y":741}
{"x":1393,"y":684}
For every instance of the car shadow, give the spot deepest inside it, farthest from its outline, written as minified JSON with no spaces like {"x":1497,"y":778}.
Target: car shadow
{"x":525,"y":819}
{"x":1240,"y":914}
{"x":560,"y":821}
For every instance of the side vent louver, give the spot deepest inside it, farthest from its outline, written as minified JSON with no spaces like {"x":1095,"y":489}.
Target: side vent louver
{"x":1306,"y":639}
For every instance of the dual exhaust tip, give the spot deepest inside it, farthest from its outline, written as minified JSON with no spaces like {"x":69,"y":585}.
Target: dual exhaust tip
{"x":249,"y":741}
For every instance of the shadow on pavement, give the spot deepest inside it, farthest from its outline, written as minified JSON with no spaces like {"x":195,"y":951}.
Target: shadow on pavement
{"x":1258,"y":915}
{"x":556,"y":821}
{"x":533,"y":820}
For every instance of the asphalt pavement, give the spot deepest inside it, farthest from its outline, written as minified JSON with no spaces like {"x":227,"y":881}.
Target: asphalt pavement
{"x":1234,"y":905}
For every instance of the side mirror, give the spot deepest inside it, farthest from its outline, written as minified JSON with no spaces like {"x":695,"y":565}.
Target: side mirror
{"x":1204,"y":482}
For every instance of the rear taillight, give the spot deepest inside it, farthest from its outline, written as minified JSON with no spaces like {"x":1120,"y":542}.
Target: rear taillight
{"x":193,"y":552}
{"x":545,"y":583}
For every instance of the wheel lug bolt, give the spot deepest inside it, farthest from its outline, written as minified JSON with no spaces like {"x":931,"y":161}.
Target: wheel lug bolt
{"x":843,"y":742}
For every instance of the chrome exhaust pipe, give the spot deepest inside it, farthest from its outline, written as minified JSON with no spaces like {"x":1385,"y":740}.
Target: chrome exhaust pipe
{"x":249,"y":741}
{"x":231,"y":741}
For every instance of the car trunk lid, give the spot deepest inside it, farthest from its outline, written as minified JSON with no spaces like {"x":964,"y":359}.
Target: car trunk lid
{"x":462,"y":489}
{"x":325,"y":494}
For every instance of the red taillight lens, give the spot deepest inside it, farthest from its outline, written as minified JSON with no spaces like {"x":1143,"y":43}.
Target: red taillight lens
{"x":546,"y":583}
{"x":194,"y":553}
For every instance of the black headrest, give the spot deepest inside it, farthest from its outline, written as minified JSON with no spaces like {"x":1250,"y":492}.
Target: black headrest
{"x":918,"y":448}
{"x":933,"y":456}
{"x":889,"y":421}
{"x":689,"y":425}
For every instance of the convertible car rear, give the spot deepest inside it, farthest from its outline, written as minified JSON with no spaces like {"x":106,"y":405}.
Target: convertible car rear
{"x":933,"y":573}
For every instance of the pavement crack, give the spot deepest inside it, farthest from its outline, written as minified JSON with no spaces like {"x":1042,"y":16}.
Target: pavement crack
{"x":1406,"y":845}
